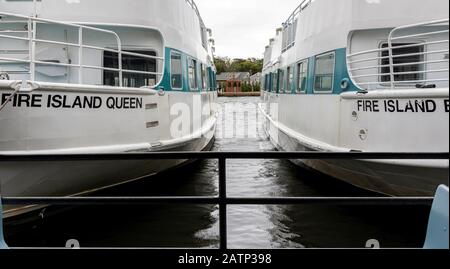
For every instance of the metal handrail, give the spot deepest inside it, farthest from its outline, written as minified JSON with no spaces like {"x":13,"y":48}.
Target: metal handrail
{"x":194,"y":6}
{"x":31,"y":38}
{"x":222,"y":199}
{"x":290,"y":25}
{"x":358,"y":61}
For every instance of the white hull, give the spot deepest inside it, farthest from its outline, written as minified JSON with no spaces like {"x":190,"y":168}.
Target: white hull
{"x":76,"y":79}
{"x":387,"y":178}
{"x":296,"y":115}
{"x":59,"y":179}
{"x":46,"y":131}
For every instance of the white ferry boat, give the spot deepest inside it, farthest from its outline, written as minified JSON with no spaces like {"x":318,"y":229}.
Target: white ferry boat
{"x":100,"y":76}
{"x":363,"y":76}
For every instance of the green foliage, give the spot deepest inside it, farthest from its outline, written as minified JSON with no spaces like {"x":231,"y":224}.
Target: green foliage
{"x":247,"y":87}
{"x":250,"y":65}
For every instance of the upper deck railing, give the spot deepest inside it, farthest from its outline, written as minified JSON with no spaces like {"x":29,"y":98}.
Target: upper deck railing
{"x":414,"y":55}
{"x":290,"y":26}
{"x":32,"y":39}
{"x":195,"y":8}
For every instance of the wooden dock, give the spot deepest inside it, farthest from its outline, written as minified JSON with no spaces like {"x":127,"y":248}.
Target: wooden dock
{"x":239,"y":94}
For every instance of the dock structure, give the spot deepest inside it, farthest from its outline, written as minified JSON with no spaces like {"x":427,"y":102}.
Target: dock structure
{"x":239,"y":94}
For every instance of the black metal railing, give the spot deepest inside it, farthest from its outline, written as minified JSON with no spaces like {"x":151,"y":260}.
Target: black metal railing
{"x":222,"y":199}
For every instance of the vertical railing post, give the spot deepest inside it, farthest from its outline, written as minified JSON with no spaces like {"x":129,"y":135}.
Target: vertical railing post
{"x":32,"y":48}
{"x":119,"y":49}
{"x":391,"y":60}
{"x":80,"y":55}
{"x":223,"y":203}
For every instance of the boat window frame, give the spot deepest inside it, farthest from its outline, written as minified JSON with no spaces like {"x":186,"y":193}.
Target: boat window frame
{"x":289,"y":79}
{"x":274,"y":82}
{"x":138,"y":50}
{"x":280,"y":84}
{"x":304,"y":62}
{"x":181,"y":68}
{"x":203,"y":78}
{"x":195,"y":74}
{"x":333,"y":74}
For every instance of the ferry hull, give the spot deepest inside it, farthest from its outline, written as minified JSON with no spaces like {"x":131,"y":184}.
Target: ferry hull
{"x":386,"y":178}
{"x":400,"y":178}
{"x":60,"y":179}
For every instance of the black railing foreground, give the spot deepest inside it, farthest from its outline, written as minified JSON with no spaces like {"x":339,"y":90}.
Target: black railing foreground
{"x":222,"y":199}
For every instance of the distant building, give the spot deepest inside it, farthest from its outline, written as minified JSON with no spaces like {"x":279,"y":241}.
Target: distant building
{"x":232,"y":81}
{"x":256,"y":79}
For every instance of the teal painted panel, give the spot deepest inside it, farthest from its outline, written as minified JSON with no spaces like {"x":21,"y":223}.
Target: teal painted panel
{"x":340,"y":74}
{"x":165,"y":81}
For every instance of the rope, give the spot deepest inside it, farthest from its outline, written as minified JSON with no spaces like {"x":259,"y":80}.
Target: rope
{"x":17,"y":89}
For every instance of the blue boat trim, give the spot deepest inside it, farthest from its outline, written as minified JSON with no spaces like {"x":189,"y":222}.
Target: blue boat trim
{"x":165,"y":81}
{"x":341,"y":75}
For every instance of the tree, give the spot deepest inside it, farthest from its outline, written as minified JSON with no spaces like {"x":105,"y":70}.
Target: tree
{"x":251,"y":65}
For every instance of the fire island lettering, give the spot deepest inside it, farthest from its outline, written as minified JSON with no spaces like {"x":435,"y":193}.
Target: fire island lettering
{"x":58,"y":101}
{"x":403,"y":106}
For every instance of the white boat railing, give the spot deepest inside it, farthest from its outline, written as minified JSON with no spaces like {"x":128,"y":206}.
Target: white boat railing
{"x":290,"y":26}
{"x":195,"y":8}
{"x":31,"y":38}
{"x":382,"y":67}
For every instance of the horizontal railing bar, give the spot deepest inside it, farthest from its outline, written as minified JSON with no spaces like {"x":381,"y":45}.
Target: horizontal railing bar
{"x":141,"y":72}
{"x":5,"y":22}
{"x":14,"y":60}
{"x":402,"y":82}
{"x":14,"y":37}
{"x":401,"y":64}
{"x":398,"y":56}
{"x":402,"y":73}
{"x":398,"y":47}
{"x":419,"y":72}
{"x":56,"y":42}
{"x":106,"y":201}
{"x":229,"y":155}
{"x":14,"y":31}
{"x":56,"y":64}
{"x":420,"y":35}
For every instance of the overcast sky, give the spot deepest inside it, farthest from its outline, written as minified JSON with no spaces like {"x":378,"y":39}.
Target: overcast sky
{"x":242,"y":28}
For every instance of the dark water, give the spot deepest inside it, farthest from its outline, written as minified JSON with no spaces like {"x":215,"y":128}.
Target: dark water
{"x":248,"y":226}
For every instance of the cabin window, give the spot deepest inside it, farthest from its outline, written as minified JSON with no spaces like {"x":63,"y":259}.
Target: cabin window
{"x":324,"y":73}
{"x":176,"y":71}
{"x":192,"y":67}
{"x":203,"y":33}
{"x":208,"y":78}
{"x":274,"y":82}
{"x":302,"y":76}
{"x":290,"y":78}
{"x":266,"y":82}
{"x":203,"y":69}
{"x":132,"y":63}
{"x":281,"y":81}
{"x":409,"y":65}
